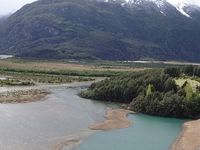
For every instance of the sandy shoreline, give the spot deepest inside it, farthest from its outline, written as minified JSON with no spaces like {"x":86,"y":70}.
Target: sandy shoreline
{"x":114,"y":119}
{"x":189,"y":138}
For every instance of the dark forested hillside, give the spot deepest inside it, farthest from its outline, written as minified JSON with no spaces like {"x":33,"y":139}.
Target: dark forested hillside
{"x":91,"y":29}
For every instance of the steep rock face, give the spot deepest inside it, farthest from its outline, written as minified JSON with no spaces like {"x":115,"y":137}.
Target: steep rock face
{"x":103,"y":29}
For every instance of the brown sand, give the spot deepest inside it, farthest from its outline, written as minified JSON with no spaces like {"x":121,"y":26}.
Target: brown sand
{"x":115,"y":119}
{"x":189,"y":138}
{"x":23,"y":96}
{"x":68,"y":143}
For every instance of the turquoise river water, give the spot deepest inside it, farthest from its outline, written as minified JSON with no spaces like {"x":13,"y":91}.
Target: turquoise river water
{"x":63,"y":114}
{"x":146,"y":133}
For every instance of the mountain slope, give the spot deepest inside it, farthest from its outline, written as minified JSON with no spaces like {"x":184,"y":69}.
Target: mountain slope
{"x":98,"y":29}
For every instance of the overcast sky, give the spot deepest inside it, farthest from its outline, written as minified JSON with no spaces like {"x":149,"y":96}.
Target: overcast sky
{"x":9,"y":6}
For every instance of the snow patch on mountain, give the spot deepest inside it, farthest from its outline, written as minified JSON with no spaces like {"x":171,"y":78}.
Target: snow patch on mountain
{"x":180,"y":5}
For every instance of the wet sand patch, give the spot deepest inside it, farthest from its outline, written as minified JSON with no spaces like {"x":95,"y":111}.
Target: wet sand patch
{"x":70,"y":143}
{"x":114,"y":119}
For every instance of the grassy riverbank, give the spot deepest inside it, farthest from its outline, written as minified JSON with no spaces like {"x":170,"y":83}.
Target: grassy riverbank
{"x":35,"y":71}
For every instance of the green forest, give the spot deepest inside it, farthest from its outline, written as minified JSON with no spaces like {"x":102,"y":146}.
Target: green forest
{"x":153,"y":92}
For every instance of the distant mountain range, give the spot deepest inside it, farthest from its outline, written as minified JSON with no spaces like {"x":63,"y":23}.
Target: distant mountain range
{"x":104,"y":29}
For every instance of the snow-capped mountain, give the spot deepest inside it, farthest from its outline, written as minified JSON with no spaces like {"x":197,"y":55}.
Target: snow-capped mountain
{"x":104,"y":29}
{"x":181,"y":5}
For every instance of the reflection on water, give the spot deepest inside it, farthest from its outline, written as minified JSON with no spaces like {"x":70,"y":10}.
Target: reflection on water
{"x":39,"y":125}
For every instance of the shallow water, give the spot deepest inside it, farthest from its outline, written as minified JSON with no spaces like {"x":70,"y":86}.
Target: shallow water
{"x":40,"y":125}
{"x":146,"y":133}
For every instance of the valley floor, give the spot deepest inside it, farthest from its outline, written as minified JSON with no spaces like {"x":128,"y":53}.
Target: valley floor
{"x":62,"y":72}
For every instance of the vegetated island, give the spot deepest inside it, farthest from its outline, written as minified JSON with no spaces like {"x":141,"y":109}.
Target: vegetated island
{"x":170,"y":92}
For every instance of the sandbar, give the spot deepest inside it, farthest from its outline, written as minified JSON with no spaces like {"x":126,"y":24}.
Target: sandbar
{"x":114,"y":119}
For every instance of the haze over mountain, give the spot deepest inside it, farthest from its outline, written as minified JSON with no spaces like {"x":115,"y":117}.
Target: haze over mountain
{"x":104,"y":29}
{"x":10,"y":6}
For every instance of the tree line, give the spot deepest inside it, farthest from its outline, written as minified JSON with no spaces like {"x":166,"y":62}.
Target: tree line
{"x":152,"y":91}
{"x":189,"y":70}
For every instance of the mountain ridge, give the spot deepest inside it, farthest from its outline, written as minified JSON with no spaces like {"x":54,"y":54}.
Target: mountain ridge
{"x":93,"y":29}
{"x":179,"y":5}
